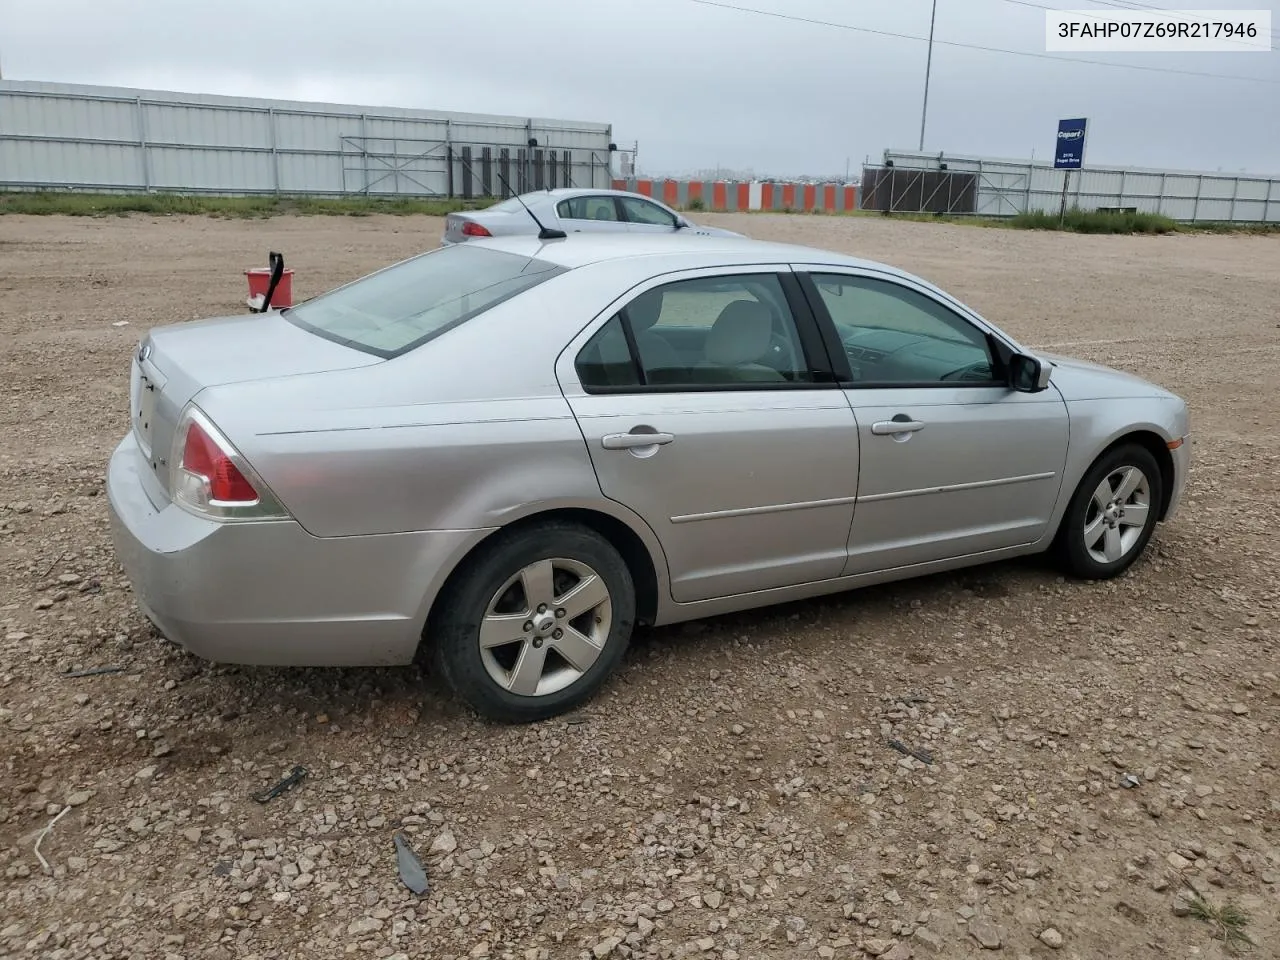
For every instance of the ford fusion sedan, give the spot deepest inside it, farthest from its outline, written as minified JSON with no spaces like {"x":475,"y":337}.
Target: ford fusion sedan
{"x":502,"y":456}
{"x":574,"y":210}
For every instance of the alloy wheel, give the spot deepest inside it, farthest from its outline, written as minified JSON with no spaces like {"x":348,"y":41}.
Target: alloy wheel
{"x":545,"y":627}
{"x":1116,"y":514}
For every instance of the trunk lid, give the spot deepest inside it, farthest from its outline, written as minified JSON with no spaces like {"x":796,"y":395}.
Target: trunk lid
{"x":499,"y":223}
{"x":174,"y":363}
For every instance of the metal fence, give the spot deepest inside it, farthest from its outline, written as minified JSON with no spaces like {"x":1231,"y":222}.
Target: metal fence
{"x":732,"y":195}
{"x":912,"y":182}
{"x":90,"y":138}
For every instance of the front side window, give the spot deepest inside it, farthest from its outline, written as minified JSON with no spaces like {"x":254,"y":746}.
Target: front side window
{"x":703,"y":332}
{"x":397,"y":309}
{"x":587,"y":208}
{"x":894,"y":335}
{"x":642,"y":211}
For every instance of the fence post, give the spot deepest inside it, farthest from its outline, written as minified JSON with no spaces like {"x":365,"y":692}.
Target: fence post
{"x":364,"y":151}
{"x":465,"y":151}
{"x":275,"y":157}
{"x":1195,"y":207}
{"x":1235,"y":193}
{"x":448,"y":157}
{"x":526,"y":157}
{"x":1120,"y":195}
{"x":142,"y":144}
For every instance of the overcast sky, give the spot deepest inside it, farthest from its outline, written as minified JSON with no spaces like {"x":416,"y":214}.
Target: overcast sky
{"x":696,"y":86}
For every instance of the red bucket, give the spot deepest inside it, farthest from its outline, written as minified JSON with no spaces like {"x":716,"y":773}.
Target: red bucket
{"x":260,"y":279}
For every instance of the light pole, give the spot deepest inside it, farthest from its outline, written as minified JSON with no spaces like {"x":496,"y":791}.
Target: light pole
{"x":928,"y":65}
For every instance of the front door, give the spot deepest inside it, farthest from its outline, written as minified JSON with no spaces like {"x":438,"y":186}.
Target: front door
{"x":645,"y":216}
{"x":721,"y":429}
{"x":953,"y":462}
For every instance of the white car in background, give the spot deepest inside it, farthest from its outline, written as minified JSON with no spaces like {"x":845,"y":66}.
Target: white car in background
{"x":574,"y":210}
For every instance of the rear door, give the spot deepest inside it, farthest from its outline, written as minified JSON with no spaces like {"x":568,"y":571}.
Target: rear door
{"x":953,"y":461}
{"x":738,"y":448}
{"x":591,"y":213}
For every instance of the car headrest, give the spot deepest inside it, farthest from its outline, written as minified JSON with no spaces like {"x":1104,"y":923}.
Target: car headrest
{"x":741,"y":333}
{"x":644,"y":311}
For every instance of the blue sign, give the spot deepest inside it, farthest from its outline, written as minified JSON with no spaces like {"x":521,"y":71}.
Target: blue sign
{"x":1068,"y":151}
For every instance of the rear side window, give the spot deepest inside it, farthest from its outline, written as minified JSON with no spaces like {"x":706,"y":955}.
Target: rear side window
{"x":606,"y":360}
{"x":717,"y":332}
{"x":403,"y":306}
{"x":588,"y":208}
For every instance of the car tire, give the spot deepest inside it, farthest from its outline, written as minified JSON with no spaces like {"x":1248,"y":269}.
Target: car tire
{"x":1098,"y":539}
{"x":505,"y":583}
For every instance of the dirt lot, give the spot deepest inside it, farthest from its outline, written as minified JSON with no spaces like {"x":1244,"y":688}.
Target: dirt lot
{"x":731,"y":793}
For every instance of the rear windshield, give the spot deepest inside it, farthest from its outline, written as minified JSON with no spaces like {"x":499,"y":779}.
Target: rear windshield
{"x":506,"y":206}
{"x":403,"y":306}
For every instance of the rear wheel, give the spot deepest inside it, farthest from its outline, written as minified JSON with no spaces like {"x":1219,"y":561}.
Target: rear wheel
{"x":1112,"y":514}
{"x":536,"y":622}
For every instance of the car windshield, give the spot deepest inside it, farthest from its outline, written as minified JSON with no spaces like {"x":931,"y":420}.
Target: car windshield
{"x":403,"y":306}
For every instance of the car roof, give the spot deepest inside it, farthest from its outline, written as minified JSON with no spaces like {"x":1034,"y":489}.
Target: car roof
{"x":582,"y":191}
{"x":562,"y":193}
{"x":582,"y":249}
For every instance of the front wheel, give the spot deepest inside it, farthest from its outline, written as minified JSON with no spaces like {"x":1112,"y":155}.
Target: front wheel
{"x":1112,"y":514}
{"x":536,"y":622}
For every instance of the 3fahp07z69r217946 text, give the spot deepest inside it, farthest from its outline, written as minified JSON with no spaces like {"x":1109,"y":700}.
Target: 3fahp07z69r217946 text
{"x":1142,"y":31}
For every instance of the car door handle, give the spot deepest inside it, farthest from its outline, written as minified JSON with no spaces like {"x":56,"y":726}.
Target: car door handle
{"x":889,"y":427}
{"x":628,"y":441}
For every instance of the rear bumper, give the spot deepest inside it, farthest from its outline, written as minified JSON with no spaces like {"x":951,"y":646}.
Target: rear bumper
{"x":269,"y":592}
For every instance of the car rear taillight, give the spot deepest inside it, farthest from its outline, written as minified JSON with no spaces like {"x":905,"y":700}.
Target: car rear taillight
{"x":204,"y":459}
{"x":212,"y":479}
{"x":472,"y":229}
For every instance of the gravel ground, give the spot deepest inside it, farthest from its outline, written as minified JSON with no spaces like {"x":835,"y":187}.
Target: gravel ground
{"x":731,"y":793}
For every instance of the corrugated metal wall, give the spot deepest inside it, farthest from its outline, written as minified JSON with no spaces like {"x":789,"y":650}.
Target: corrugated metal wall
{"x":1008,"y":187}
{"x":71,"y":136}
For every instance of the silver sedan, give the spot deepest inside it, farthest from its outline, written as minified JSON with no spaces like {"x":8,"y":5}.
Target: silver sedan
{"x":504,"y":455}
{"x":574,"y":210}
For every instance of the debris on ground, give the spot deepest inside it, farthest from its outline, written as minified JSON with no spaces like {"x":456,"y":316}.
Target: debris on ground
{"x":924,"y":756}
{"x":288,"y":782}
{"x":412,"y":871}
{"x":44,"y":833}
{"x":94,"y":672}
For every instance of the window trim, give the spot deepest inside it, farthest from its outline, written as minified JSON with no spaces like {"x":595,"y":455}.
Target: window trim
{"x":812,"y":346}
{"x":1001,"y":350}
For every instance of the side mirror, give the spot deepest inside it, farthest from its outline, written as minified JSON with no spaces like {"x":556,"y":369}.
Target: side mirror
{"x":1028,"y":374}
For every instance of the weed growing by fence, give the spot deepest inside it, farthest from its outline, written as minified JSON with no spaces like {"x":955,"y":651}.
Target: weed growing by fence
{"x":1095,"y":221}
{"x":171,"y":204}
